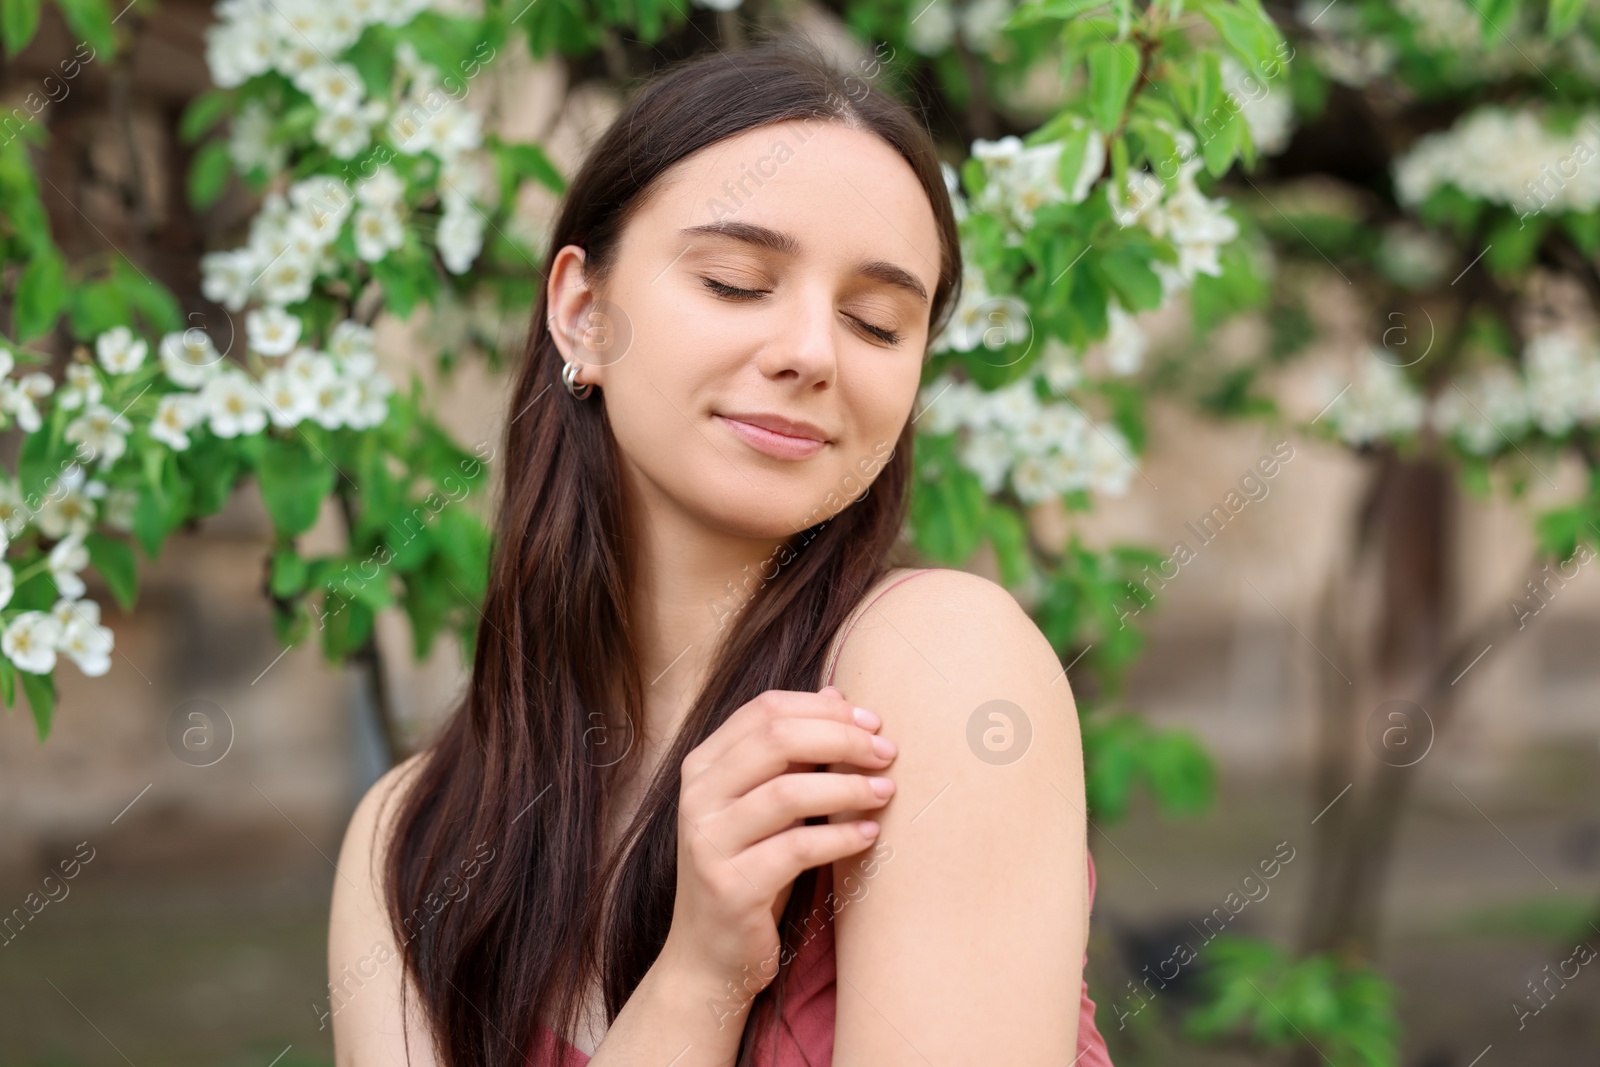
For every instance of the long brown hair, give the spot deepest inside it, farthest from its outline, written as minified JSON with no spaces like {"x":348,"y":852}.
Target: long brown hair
{"x":523,"y":766}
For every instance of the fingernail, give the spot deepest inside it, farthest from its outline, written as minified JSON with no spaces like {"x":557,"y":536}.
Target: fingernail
{"x":883,"y":747}
{"x":882,"y":786}
{"x":866,"y":720}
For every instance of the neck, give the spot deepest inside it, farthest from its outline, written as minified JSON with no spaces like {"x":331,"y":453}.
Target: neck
{"x":691,"y":584}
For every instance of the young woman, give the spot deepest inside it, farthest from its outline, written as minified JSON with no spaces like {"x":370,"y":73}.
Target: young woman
{"x":660,"y":828}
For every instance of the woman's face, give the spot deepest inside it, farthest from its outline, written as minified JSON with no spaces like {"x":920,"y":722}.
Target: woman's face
{"x":782,"y":276}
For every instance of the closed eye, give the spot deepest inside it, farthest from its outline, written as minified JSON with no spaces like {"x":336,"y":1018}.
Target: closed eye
{"x":735,"y":293}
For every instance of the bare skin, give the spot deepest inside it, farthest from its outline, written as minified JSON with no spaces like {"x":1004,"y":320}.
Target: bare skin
{"x":990,"y":879}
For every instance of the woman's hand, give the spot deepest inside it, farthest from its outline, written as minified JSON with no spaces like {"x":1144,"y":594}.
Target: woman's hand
{"x":743,"y":798}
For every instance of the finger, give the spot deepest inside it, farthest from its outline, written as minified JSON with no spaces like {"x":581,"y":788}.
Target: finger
{"x":781,"y":743}
{"x":754,"y":715}
{"x":781,"y":857}
{"x":778,"y":804}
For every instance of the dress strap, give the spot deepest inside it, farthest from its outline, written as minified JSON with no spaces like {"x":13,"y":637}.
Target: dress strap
{"x":855,"y":617}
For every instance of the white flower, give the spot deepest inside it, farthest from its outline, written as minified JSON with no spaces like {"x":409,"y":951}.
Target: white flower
{"x":1268,"y":111}
{"x":332,"y":86}
{"x":1380,"y":402}
{"x":8,"y":583}
{"x":987,"y":454}
{"x":460,"y":238}
{"x":15,"y":400}
{"x":83,"y":387}
{"x":189,"y":358}
{"x":119,"y":508}
{"x":719,"y":5}
{"x":346,"y":133}
{"x":331,"y":403}
{"x":250,"y":142}
{"x":981,"y":21}
{"x":1483,"y":411}
{"x":1124,"y":344}
{"x":384,"y":188}
{"x":119,"y":351}
{"x":272,"y":330}
{"x":366,"y":403}
{"x":175,"y":414}
{"x":225,"y":277}
{"x":288,"y":279}
{"x":30,"y":641}
{"x":378,"y":232}
{"x":1059,"y":365}
{"x":287,"y":400}
{"x":1110,"y":464}
{"x":932,"y":28}
{"x":1563,"y":377}
{"x":67,"y":558}
{"x":1507,"y":157}
{"x":1412,"y":256}
{"x":14,"y":514}
{"x":82,"y":638}
{"x":103,"y":431}
{"x":67,"y":510}
{"x":350,"y":341}
{"x":232,"y":404}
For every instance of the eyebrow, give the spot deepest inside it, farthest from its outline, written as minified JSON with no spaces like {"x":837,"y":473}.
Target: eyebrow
{"x":786,"y":244}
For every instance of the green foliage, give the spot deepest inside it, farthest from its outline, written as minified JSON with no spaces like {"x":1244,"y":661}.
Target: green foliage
{"x":1345,"y":1012}
{"x":1122,"y":751}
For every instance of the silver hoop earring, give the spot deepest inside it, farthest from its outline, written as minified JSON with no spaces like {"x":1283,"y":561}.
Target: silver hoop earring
{"x":569,"y":378}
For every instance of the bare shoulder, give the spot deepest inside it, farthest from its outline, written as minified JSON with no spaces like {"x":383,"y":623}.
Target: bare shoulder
{"x":979,"y":867}
{"x":364,"y":966}
{"x":947,"y":625}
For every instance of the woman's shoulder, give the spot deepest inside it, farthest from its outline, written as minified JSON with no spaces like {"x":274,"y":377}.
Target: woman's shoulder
{"x":939,"y":615}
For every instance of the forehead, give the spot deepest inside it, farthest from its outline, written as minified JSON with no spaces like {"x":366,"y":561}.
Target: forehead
{"x":843,"y":193}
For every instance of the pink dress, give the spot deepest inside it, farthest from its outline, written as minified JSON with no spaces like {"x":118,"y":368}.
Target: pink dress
{"x":805,"y":1030}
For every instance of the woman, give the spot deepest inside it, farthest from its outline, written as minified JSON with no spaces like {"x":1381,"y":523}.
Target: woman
{"x":630,"y":832}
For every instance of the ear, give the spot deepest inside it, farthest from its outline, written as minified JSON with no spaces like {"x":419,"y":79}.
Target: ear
{"x":571,"y":305}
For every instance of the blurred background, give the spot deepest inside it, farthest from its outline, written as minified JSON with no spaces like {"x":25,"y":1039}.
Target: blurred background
{"x":1371,"y":671}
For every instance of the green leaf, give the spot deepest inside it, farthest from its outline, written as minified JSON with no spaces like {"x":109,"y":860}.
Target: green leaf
{"x":288,"y":572}
{"x":1220,"y":150}
{"x":113,"y":558}
{"x":1563,"y":18}
{"x":1047,"y":10}
{"x":1113,"y":66}
{"x":1008,"y":533}
{"x":1496,"y":17}
{"x":90,"y":20}
{"x":204,"y":112}
{"x":41,"y":692}
{"x":1513,"y":242}
{"x":41,"y":295}
{"x":18,"y":21}
{"x":1137,"y":286}
{"x":8,"y":681}
{"x":463,"y":541}
{"x":294,"y":481}
{"x":208,"y":174}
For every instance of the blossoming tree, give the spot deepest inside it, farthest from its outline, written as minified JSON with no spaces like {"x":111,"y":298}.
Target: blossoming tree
{"x":1088,"y":142}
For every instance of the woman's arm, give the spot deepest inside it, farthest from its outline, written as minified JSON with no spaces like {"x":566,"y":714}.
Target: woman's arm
{"x":364,"y":966}
{"x":964,"y":946}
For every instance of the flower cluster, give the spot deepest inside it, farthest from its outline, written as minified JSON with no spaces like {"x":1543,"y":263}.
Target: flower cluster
{"x":1196,"y":225}
{"x":1507,"y":157}
{"x":1045,"y":448}
{"x":1557,"y":388}
{"x":32,"y":639}
{"x":933,"y":29}
{"x":291,"y":238}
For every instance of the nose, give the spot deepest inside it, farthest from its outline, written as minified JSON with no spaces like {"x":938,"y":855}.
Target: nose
{"x":807,"y":352}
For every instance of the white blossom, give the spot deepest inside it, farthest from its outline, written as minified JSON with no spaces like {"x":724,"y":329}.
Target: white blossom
{"x":29,"y":641}
{"x":232,"y":404}
{"x":119,"y":350}
{"x":87,"y":643}
{"x":67,"y":558}
{"x":83,"y":387}
{"x":189,"y":358}
{"x":175,"y":414}
{"x":102,"y":431}
{"x":272,"y":330}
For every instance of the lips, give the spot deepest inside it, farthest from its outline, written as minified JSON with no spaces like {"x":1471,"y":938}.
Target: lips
{"x":780,"y":425}
{"x":776,"y":436}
